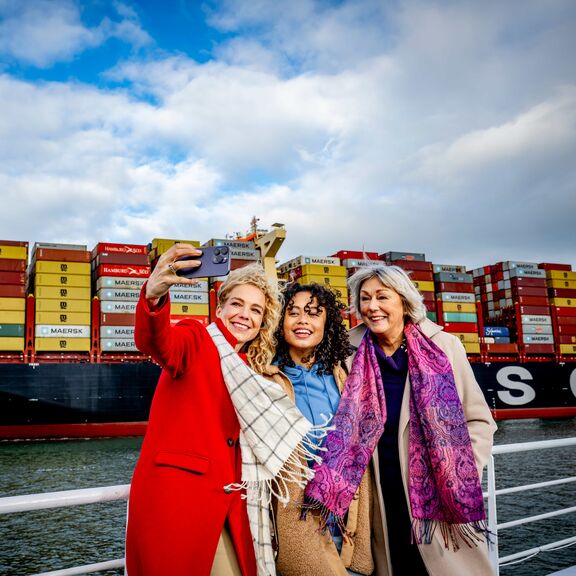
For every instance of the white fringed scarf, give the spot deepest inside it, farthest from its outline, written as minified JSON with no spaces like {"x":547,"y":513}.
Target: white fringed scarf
{"x":276,"y":441}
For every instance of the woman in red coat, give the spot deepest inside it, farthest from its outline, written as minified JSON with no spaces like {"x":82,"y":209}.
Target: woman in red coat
{"x":184,"y":519}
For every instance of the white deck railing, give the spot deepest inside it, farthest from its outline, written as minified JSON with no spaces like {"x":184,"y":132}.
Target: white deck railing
{"x":15,"y":504}
{"x":492,"y":493}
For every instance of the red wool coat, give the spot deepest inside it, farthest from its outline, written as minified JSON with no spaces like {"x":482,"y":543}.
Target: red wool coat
{"x":178,"y":504}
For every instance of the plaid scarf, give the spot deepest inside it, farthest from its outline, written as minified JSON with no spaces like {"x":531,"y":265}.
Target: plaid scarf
{"x":443,"y":484}
{"x":275,"y":441}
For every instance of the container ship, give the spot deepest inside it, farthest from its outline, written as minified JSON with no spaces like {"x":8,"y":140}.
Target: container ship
{"x":69,"y":366}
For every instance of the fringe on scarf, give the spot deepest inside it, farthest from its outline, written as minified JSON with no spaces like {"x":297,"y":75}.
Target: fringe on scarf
{"x":326,"y":516}
{"x":294,"y":470}
{"x":471,"y":534}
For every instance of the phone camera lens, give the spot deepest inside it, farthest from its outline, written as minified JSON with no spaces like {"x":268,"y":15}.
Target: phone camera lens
{"x":218,"y":258}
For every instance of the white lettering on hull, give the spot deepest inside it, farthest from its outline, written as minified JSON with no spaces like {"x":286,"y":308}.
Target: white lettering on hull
{"x":528,"y":394}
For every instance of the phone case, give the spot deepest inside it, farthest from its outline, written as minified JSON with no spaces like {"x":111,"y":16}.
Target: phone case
{"x":215,"y":261}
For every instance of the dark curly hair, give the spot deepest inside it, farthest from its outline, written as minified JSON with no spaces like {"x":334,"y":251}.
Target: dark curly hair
{"x":335,"y":346}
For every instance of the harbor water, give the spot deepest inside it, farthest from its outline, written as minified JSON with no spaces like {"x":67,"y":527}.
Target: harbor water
{"x":34,"y":542}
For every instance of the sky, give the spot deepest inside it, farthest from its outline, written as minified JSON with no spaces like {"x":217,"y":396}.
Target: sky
{"x":444,"y":127}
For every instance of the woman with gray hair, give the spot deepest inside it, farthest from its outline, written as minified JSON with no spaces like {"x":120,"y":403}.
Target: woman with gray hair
{"x":412,"y":406}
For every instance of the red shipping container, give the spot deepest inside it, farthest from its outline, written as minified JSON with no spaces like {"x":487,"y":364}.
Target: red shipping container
{"x":532,"y":300}
{"x":528,"y":291}
{"x":539,"y":348}
{"x":534,"y":310}
{"x":549,"y":266}
{"x":566,"y":339}
{"x":454,"y":287}
{"x":16,"y":278}
{"x":117,"y":319}
{"x":421,"y":275}
{"x":121,"y":258}
{"x":566,"y":320}
{"x":418,"y":265}
{"x":428,"y":296}
{"x":355,"y":255}
{"x":119,"y":248}
{"x":62,"y":255}
{"x":12,"y":290}
{"x":517,"y":281}
{"x":562,"y":292}
{"x":502,"y":348}
{"x":13,"y":243}
{"x":10,"y":265}
{"x":456,"y":327}
{"x":119,"y":270}
{"x":566,"y":329}
{"x":564,"y":310}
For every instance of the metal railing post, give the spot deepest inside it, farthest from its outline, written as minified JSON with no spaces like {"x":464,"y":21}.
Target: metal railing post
{"x":492,"y":516}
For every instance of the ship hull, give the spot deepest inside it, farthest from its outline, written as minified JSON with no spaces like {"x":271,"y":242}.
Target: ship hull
{"x":98,"y":400}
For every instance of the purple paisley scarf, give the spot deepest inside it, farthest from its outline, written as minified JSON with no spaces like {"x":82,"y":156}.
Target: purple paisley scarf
{"x":444,"y":487}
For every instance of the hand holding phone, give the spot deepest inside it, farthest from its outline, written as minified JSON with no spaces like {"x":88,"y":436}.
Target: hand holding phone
{"x":214,"y":261}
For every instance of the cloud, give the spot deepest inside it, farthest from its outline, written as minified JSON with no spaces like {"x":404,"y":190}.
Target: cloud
{"x":43,"y":32}
{"x":437,"y":127}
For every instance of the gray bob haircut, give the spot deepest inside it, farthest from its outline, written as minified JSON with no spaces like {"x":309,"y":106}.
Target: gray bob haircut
{"x":396,"y":279}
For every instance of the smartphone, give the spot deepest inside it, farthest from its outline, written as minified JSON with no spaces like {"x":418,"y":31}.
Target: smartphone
{"x":215,"y":261}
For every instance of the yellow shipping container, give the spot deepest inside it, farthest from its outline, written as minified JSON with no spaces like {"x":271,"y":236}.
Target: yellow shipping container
{"x":62,"y":344}
{"x":48,"y":267}
{"x":73,"y":280}
{"x":557,"y":283}
{"x":567,"y":302}
{"x":160,"y":245}
{"x":424,"y":285}
{"x":75,"y":318}
{"x":11,"y":344}
{"x":468,"y":337}
{"x":332,"y":281}
{"x":561,"y":274}
{"x":53,"y":305}
{"x":12,"y":317}
{"x":458,"y":307}
{"x":62,"y":292}
{"x":567,"y":348}
{"x":13,"y":304}
{"x":471,"y":347}
{"x":177,"y":309}
{"x":13,"y":252}
{"x":319,"y":270}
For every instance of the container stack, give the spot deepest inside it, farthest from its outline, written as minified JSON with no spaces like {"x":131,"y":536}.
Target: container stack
{"x":456,"y":306}
{"x":186,"y":301}
{"x":118,"y":273}
{"x":59,"y":279}
{"x":13,"y":263}
{"x":352,"y":261}
{"x":525,"y":308}
{"x":326,"y":271}
{"x":494,"y":338}
{"x":421,"y":273}
{"x":561,"y":284}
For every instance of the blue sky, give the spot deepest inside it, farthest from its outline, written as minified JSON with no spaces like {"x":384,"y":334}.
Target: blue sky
{"x":444,"y":127}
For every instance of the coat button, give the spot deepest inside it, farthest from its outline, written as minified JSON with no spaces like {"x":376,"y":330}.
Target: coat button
{"x":228,"y":490}
{"x":230,"y":442}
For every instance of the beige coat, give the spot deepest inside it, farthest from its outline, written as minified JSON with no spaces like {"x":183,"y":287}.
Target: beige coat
{"x":302,"y":549}
{"x":438,"y":560}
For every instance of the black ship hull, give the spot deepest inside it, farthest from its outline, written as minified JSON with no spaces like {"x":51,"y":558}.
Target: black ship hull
{"x":84,"y":400}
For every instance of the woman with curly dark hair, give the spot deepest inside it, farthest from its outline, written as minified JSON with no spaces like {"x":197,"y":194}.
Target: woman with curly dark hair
{"x":312,"y":349}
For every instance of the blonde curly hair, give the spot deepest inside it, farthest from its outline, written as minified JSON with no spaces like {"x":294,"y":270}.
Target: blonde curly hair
{"x":260,"y":351}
